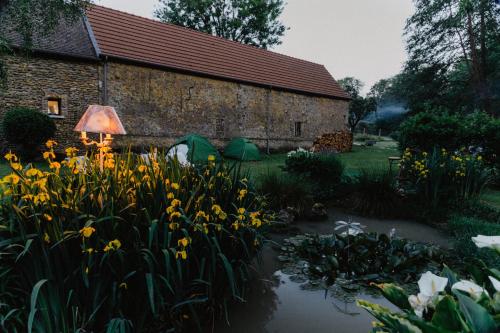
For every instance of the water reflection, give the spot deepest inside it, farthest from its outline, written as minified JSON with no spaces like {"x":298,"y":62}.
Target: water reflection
{"x":286,"y":307}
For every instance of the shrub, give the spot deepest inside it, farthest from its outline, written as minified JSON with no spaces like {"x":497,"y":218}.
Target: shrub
{"x":283,"y":191}
{"x":463,"y":228}
{"x":441,"y":177}
{"x":324,"y":170}
{"x":426,"y":130}
{"x":375,"y":194}
{"x":143,"y":245}
{"x":27,"y":126}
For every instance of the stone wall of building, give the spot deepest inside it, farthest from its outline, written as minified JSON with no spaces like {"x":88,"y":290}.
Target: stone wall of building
{"x":32,"y":80}
{"x":157,"y":106}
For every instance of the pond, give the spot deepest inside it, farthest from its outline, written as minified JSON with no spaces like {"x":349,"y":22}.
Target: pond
{"x":276,"y":304}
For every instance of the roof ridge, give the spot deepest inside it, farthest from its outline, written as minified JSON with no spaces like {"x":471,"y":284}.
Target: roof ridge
{"x":205,"y":34}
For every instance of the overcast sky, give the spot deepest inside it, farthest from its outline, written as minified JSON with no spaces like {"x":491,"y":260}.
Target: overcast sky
{"x":360,"y":38}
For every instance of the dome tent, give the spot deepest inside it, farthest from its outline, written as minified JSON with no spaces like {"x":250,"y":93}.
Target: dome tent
{"x":198,"y":149}
{"x":242,"y":149}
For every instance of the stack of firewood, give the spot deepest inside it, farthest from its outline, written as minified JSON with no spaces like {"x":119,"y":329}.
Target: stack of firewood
{"x":338,"y":142}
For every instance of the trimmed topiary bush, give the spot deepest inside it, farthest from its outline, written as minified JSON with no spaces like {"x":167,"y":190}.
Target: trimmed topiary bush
{"x":28,"y":128}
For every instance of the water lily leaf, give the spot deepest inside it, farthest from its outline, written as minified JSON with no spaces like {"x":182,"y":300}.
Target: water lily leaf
{"x":447,"y":315}
{"x":479,"y":320}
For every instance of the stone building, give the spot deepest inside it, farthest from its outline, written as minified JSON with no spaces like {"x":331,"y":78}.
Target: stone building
{"x":166,"y":81}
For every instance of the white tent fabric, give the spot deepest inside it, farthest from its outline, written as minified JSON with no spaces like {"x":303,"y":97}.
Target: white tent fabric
{"x":181,"y":152}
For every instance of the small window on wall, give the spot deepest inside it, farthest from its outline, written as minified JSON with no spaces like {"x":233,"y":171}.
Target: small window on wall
{"x":219,"y":127}
{"x":298,"y":129}
{"x":54,"y":106}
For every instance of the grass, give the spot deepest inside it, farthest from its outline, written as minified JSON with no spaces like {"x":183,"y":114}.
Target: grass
{"x":358,"y":159}
{"x":491,"y":198}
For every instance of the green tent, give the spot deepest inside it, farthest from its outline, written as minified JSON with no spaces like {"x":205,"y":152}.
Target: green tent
{"x":198,"y":149}
{"x":242,"y":149}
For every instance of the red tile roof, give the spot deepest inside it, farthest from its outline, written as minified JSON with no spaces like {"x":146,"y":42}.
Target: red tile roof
{"x":133,"y":38}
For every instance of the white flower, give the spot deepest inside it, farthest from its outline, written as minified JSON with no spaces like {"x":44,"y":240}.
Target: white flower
{"x":495,"y":282}
{"x":492,"y":242}
{"x":431,"y":284}
{"x":352,"y":232}
{"x":419,"y":303}
{"x":469,"y":287}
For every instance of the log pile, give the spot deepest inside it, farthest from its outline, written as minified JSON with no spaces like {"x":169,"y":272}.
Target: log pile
{"x":338,"y":142}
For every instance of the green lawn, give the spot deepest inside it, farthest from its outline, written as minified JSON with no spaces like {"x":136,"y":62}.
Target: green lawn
{"x":492,"y":198}
{"x":359,"y":158}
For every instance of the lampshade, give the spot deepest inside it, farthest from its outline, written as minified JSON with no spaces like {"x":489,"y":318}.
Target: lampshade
{"x":100,"y":119}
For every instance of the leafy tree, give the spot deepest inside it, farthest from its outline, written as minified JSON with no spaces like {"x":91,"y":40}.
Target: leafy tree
{"x":360,"y":106}
{"x":253,"y":22}
{"x":456,"y":35}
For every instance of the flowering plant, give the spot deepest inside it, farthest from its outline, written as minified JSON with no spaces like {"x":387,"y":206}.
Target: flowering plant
{"x":135,"y":245}
{"x":444,"y":303}
{"x":440,"y":174}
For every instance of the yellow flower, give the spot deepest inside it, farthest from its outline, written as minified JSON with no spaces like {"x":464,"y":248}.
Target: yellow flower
{"x":142,"y":168}
{"x":242,"y":194}
{"x":55,"y":165}
{"x":211,"y":158}
{"x":203,"y":215}
{"x":256,"y":223}
{"x":181,"y":254}
{"x":46,"y":238}
{"x":241,"y":217}
{"x":170,"y":196}
{"x":50,"y":143}
{"x":71,"y":151}
{"x":123,"y":285}
{"x":34,"y":172}
{"x":12,"y":178}
{"x":16,"y":166}
{"x":223,"y":216}
{"x":183,"y":242}
{"x":170,"y":209}
{"x":89,"y":251}
{"x":49,"y":155}
{"x":479,"y":158}
{"x":241,"y":210}
{"x":47,"y":217}
{"x":86,"y":232}
{"x":176,"y":203}
{"x":216,"y":209}
{"x":173,"y":226}
{"x":175,"y":215}
{"x":10,"y":157}
{"x":175,"y":186}
{"x":113,"y":245}
{"x":41,"y":197}
{"x":109,"y":163}
{"x":236,"y":226}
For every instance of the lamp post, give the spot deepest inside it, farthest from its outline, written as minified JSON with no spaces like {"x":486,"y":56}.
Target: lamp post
{"x":104,"y":121}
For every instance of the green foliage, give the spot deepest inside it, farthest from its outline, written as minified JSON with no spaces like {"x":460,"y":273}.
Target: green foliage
{"x":359,"y":107}
{"x":427,"y":130}
{"x":364,"y":256}
{"x":463,"y":228}
{"x":455,"y":306}
{"x":136,"y":247}
{"x":253,"y":22}
{"x":27,"y":127}
{"x":283,"y":191}
{"x":375,"y":194}
{"x":440,"y":177}
{"x":323,"y":169}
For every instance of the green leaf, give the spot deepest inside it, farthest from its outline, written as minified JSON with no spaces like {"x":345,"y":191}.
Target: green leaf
{"x":396,"y":295}
{"x":34,"y":299}
{"x":447,"y":315}
{"x":479,"y":320}
{"x":150,"y":286}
